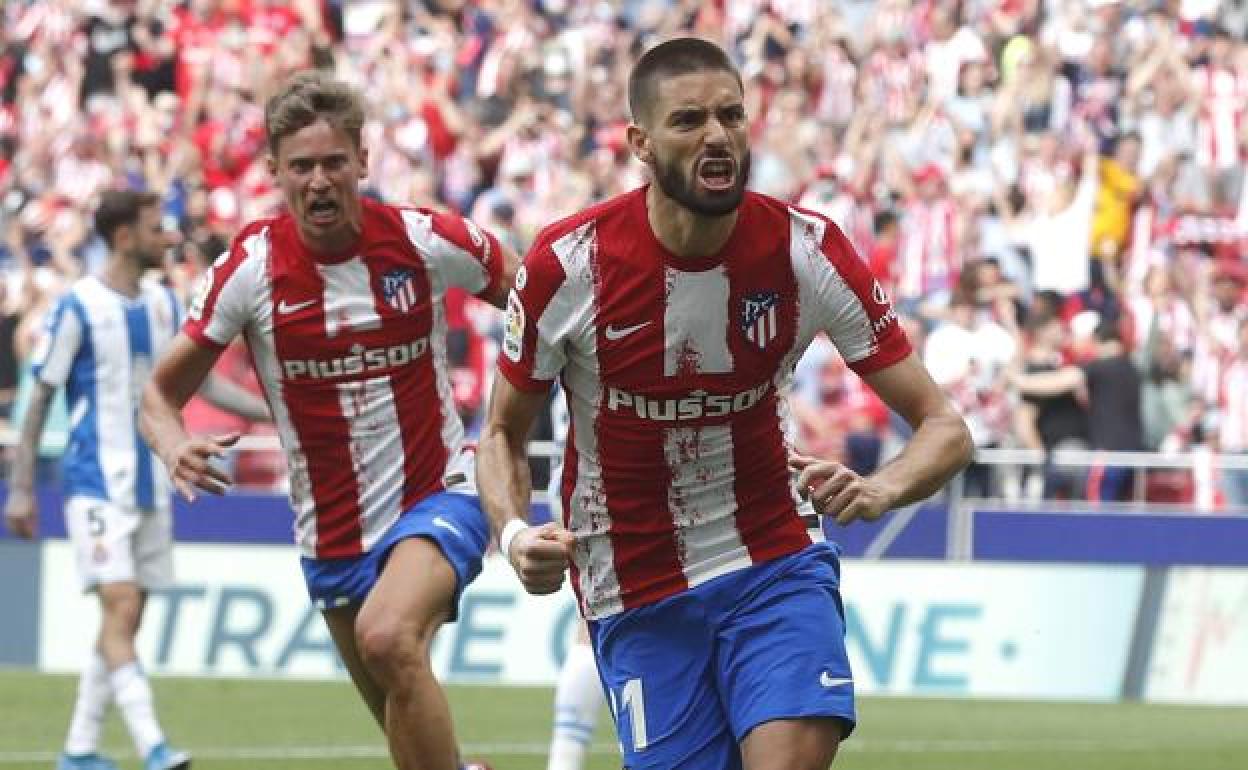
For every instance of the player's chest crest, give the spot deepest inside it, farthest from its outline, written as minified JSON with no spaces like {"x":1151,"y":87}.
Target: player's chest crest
{"x":706,"y":328}
{"x":758,"y":318}
{"x":350,"y":299}
{"x":399,"y":289}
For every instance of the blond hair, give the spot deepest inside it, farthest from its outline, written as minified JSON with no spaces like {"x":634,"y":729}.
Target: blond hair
{"x":310,"y":96}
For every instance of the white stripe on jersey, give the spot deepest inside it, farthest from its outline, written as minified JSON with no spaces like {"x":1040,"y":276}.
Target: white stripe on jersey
{"x":564,"y":313}
{"x":446,"y":264}
{"x":816,"y":277}
{"x":695,"y":322}
{"x":369,"y":410}
{"x":587,"y":514}
{"x":702,"y":498}
{"x":252,"y":279}
{"x":695,"y":336}
{"x":114,"y":391}
{"x":348,"y":299}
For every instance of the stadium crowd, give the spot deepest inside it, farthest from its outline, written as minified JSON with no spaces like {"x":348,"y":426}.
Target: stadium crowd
{"x":1051,"y":190}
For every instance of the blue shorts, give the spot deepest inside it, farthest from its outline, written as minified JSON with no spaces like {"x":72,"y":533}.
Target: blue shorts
{"x":454,"y":522}
{"x":689,"y":676}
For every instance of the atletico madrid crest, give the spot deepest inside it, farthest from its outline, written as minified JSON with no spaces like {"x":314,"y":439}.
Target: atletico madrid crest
{"x":758,"y":317}
{"x":398,"y":288}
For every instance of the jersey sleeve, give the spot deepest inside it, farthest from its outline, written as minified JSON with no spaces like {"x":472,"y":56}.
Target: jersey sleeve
{"x":59,"y":342}
{"x":464,"y":253}
{"x":533,"y":346}
{"x":853,"y":308}
{"x":220,"y":304}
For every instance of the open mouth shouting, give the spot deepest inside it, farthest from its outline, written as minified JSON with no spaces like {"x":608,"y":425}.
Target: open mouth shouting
{"x":717,"y":174}
{"x":322,"y":212}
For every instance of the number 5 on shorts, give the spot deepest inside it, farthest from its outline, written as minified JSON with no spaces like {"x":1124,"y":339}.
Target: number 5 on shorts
{"x":632,"y":698}
{"x":95,"y":521}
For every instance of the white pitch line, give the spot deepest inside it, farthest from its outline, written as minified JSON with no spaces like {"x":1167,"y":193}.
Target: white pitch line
{"x":900,"y":746}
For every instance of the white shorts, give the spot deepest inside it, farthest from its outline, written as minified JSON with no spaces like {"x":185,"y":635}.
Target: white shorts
{"x":115,"y":545}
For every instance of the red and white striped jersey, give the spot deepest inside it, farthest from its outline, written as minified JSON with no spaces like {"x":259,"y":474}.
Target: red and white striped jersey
{"x":351,"y":352}
{"x":929,"y":258}
{"x":1219,"y":125}
{"x":675,"y":370}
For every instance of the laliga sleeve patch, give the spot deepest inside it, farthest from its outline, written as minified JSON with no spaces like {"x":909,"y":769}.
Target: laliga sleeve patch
{"x":513,"y":334}
{"x":203,"y":285}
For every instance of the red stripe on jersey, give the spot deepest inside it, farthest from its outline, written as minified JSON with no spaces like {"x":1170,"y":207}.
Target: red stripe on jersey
{"x":567,"y":482}
{"x":629,"y":291}
{"x":770,"y":527}
{"x":767,"y":520}
{"x":314,"y":405}
{"x":424,"y":453}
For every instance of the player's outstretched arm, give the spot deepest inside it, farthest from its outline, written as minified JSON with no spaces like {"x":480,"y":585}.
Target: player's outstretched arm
{"x":178,"y":375}
{"x":539,"y":555}
{"x":20,"y":513}
{"x":940,"y":447}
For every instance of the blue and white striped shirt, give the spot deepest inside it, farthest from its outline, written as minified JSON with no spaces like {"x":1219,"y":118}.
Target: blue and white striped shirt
{"x":101,"y":345}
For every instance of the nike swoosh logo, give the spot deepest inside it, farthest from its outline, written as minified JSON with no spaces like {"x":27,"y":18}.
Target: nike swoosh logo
{"x":283,"y":308}
{"x":619,"y":334}
{"x":444,"y":524}
{"x":834,"y":681}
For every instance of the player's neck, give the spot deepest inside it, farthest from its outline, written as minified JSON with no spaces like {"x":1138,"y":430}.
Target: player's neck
{"x":122,"y":274}
{"x":684,"y":233}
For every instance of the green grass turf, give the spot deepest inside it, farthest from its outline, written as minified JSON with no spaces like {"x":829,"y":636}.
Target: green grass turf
{"x":272,"y":725}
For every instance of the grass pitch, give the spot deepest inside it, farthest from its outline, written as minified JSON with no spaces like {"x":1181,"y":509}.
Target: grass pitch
{"x":272,"y":725}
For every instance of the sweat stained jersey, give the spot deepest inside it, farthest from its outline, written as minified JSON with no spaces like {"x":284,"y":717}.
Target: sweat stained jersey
{"x":675,"y":470}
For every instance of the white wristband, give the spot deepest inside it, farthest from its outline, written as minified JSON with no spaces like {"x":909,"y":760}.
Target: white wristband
{"x":510,"y":530}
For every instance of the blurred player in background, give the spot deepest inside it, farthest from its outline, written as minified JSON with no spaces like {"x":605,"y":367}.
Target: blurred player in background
{"x":578,"y":690}
{"x":673,"y":316}
{"x":100,"y":342}
{"x":340,"y":302}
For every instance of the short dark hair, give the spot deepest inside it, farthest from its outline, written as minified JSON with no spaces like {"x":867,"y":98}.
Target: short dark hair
{"x":310,"y":96}
{"x":884,"y":218}
{"x":120,"y":207}
{"x":1108,"y":330}
{"x":678,"y":56}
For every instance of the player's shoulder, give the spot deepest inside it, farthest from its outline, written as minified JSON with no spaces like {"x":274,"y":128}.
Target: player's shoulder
{"x":255,"y":238}
{"x":781,"y":216}
{"x":155,"y":290}
{"x":824,"y":235}
{"x":598,"y":215}
{"x":423,"y":224}
{"x":85,"y":294}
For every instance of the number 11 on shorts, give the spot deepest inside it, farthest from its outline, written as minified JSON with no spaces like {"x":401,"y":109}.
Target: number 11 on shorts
{"x":631,"y":698}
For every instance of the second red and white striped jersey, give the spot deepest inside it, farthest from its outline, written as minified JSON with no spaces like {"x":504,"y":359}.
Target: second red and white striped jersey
{"x":1219,"y":125}
{"x":351,"y":352}
{"x":675,"y":372}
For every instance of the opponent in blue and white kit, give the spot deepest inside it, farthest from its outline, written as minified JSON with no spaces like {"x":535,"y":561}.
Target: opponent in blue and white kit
{"x":99,"y":344}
